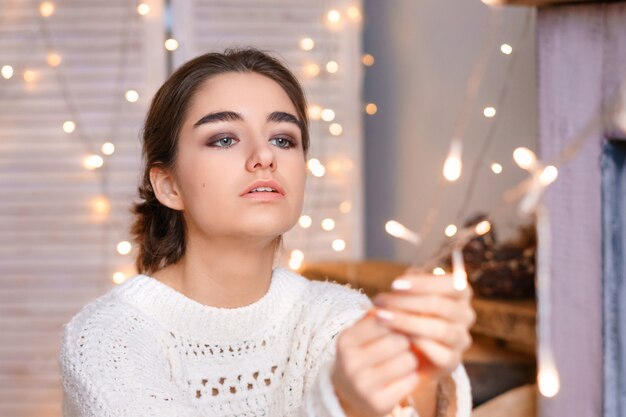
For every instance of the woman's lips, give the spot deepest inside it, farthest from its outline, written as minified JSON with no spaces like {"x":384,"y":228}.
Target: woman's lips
{"x":264,"y":196}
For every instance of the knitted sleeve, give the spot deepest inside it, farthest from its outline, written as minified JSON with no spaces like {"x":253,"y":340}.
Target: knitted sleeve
{"x":113,"y":366}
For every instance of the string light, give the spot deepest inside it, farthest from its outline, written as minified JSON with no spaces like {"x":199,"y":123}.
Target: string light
{"x":305,"y":221}
{"x":315,"y":112}
{"x":171,"y":44}
{"x":548,"y":175}
{"x":338,"y":245}
{"x":46,"y":8}
{"x":548,"y":381}
{"x":438,"y":271}
{"x":69,"y":126}
{"x":328,"y":115}
{"x":107,"y":148}
{"x":328,"y":224}
{"x":119,"y":277}
{"x":124,"y":247}
{"x":131,"y":96}
{"x":143,"y":9}
{"x":398,"y":230}
{"x":306,"y":44}
{"x":371,"y":108}
{"x":316,"y":167}
{"x":450,"y":230}
{"x":335,"y":129}
{"x":332,"y":67}
{"x":453,"y":165}
{"x":483,"y":228}
{"x":333,"y":16}
{"x":101,"y":205}
{"x":30,"y":76}
{"x":459,"y":275}
{"x":368,"y":60}
{"x":312,"y":70}
{"x":489,"y":111}
{"x":296,"y":259}
{"x":7,"y":71}
{"x":506,"y":49}
{"x":354,"y":13}
{"x":54,"y":59}
{"x":345,"y":207}
{"x":496,"y":168}
{"x":525,"y":158}
{"x":93,"y":162}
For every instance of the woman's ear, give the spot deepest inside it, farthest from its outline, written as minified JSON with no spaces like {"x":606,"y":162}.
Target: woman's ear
{"x":165,"y":188}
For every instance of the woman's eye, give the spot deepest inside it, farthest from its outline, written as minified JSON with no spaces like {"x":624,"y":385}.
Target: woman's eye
{"x":223,"y":142}
{"x":283,"y":142}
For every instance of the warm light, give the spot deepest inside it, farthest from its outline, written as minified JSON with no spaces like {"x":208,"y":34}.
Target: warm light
{"x":328,"y":224}
{"x":489,"y":111}
{"x":119,"y":277}
{"x":46,"y":8}
{"x":143,"y":9}
{"x":548,"y":175}
{"x":335,"y":129}
{"x":101,"y":205}
{"x":345,"y":207}
{"x":171,"y":44}
{"x":354,"y":13}
{"x":297,"y":254}
{"x":332,"y":67}
{"x":339,"y":245}
{"x":398,"y":230}
{"x":93,"y":162}
{"x":305,"y":221}
{"x":459,"y":275}
{"x":439,"y":271}
{"x":496,"y":168}
{"x":368,"y":60}
{"x":124,"y":247}
{"x":30,"y":76}
{"x":453,"y":165}
{"x":295,"y":264}
{"x":7,"y":71}
{"x":306,"y":44}
{"x":312,"y":70}
{"x":328,"y":115}
{"x":548,"y":381}
{"x":483,"y":228}
{"x":131,"y":96}
{"x":54,"y":59}
{"x":316,"y":167}
{"x":371,"y":108}
{"x":315,"y":112}
{"x":333,"y":16}
{"x":450,"y":230}
{"x":107,"y":148}
{"x":525,"y":158}
{"x":506,"y":49}
{"x":69,"y":126}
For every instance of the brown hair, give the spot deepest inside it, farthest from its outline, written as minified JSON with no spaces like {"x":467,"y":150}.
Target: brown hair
{"x":159,"y":231}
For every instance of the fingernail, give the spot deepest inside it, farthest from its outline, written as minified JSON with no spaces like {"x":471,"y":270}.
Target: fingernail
{"x":401,"y":284}
{"x":384,"y":315}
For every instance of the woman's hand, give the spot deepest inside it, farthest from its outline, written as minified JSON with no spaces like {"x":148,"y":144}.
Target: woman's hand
{"x":374,"y":369}
{"x":433,"y":315}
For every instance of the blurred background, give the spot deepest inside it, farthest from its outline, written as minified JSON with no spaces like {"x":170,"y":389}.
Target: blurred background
{"x":389,"y":85}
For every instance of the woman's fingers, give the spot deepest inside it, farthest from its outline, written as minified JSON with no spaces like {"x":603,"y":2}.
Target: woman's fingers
{"x":382,"y":349}
{"x":439,"y":355}
{"x":430,"y":285}
{"x":432,"y":305}
{"x":362,"y":332}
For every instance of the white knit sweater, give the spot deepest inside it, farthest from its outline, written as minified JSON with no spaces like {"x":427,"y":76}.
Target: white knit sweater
{"x":144,"y":349}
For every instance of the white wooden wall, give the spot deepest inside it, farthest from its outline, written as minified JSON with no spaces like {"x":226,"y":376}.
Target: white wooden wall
{"x":56,"y":252}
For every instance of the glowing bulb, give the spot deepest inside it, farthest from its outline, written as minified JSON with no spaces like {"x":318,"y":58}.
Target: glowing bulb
{"x":333,"y":16}
{"x":100,"y":205}
{"x":548,"y":175}
{"x":345,"y":207}
{"x":328,"y":224}
{"x":371,"y":108}
{"x":171,"y":44}
{"x":306,"y":44}
{"x":312,"y":70}
{"x":439,"y":271}
{"x":453,"y":165}
{"x":131,"y":96}
{"x":506,"y":49}
{"x":335,"y":129}
{"x":143,"y":9}
{"x":459,"y":275}
{"x":295,"y":264}
{"x":305,"y":221}
{"x":30,"y":76}
{"x":93,"y":162}
{"x":328,"y":115}
{"x":368,"y":60}
{"x":525,"y":158}
{"x":338,"y":245}
{"x":297,"y":254}
{"x":315,"y":112}
{"x":548,"y":381}
{"x":489,"y":111}
{"x":124,"y":247}
{"x":69,"y":126}
{"x":316,"y":167}
{"x":54,"y":59}
{"x":107,"y":148}
{"x":7,"y":71}
{"x":332,"y":67}
{"x":46,"y":8}
{"x":354,"y":13}
{"x":398,"y":230}
{"x":450,"y":230}
{"x":119,"y":277}
{"x":496,"y":168}
{"x":483,"y":227}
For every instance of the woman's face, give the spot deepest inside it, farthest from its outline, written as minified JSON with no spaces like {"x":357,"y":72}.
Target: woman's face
{"x":239,"y":129}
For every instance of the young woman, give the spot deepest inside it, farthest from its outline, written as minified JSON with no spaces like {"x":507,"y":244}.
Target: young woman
{"x":210,"y":326}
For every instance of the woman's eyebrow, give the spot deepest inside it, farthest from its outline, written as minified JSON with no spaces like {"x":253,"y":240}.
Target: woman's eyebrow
{"x":231,"y":116}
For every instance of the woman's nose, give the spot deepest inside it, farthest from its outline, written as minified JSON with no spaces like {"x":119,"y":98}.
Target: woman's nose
{"x":261,"y":157}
